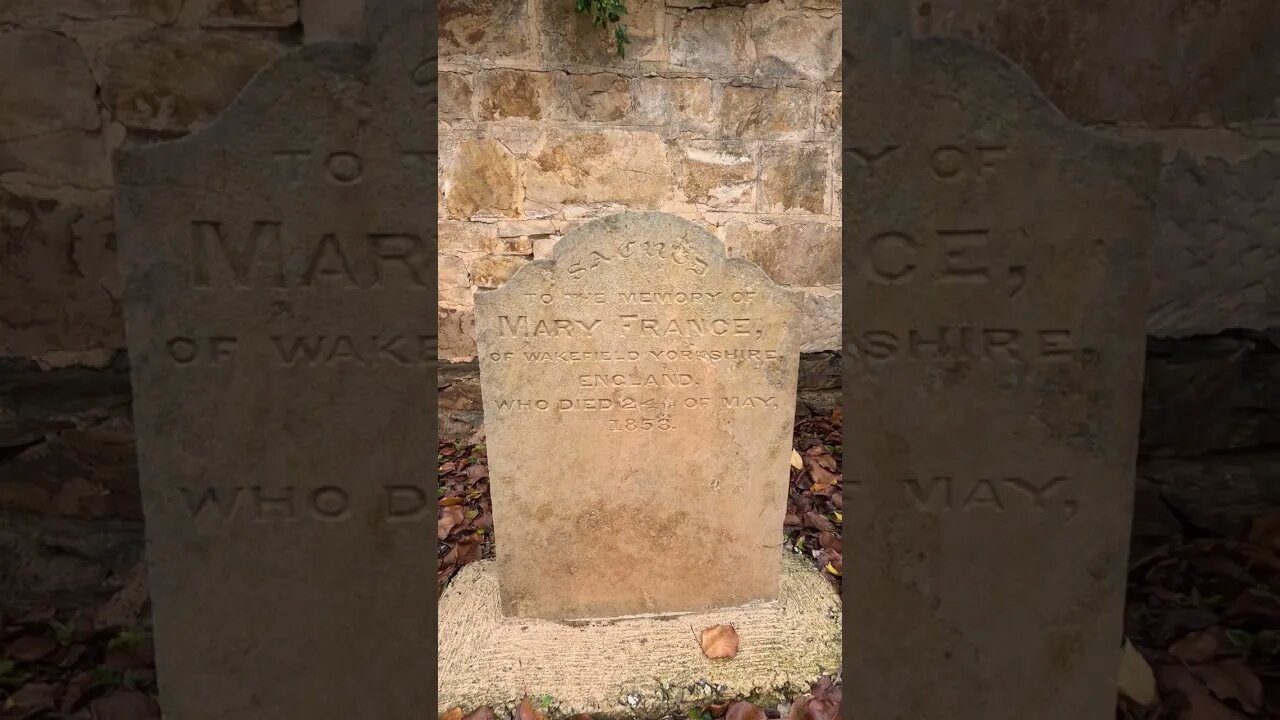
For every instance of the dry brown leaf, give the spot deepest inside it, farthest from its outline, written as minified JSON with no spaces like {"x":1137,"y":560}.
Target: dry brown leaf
{"x":454,"y":713}
{"x":1266,"y":530}
{"x":481,"y":713}
{"x":822,"y":710}
{"x":1232,"y":680}
{"x":743,"y":710}
{"x":477,"y":472}
{"x":124,"y":705}
{"x":1137,"y":682}
{"x":822,"y":479}
{"x":450,"y":518}
{"x":828,"y":541}
{"x":467,"y":550}
{"x":819,"y":522}
{"x":798,"y":707}
{"x":30,"y":648}
{"x":1204,"y":706}
{"x":448,"y":501}
{"x":525,"y":711}
{"x":33,"y":696}
{"x":720,"y":642}
{"x":796,"y":461}
{"x":1196,"y":647}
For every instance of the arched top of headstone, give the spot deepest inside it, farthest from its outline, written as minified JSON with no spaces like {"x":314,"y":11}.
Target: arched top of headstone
{"x":326,"y":94}
{"x":651,"y":247}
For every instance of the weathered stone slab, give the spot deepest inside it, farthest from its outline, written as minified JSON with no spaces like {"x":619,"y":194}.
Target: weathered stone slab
{"x":996,"y":296}
{"x":279,"y":282}
{"x":639,"y":391}
{"x":655,"y":667}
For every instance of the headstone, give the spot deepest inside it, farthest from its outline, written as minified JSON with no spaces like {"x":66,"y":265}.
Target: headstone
{"x":280,"y":280}
{"x":995,"y":290}
{"x":639,"y":397}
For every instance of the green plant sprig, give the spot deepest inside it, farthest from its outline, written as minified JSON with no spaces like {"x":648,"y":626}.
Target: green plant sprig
{"x":604,"y":12}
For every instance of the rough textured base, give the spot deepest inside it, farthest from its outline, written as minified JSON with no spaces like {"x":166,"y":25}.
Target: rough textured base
{"x":635,"y":666}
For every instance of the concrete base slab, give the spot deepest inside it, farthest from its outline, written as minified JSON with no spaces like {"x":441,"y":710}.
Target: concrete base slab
{"x":634,"y":666}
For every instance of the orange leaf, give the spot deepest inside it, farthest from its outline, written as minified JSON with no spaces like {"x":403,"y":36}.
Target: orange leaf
{"x":454,"y":713}
{"x":1196,"y":647}
{"x":481,"y":713}
{"x":450,"y":518}
{"x":525,"y":711}
{"x":743,"y":710}
{"x":720,"y":642}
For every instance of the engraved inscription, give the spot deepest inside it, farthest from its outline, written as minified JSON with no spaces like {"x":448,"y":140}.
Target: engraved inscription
{"x":326,"y":503}
{"x":995,"y":494}
{"x":676,"y":252}
{"x":267,"y":255}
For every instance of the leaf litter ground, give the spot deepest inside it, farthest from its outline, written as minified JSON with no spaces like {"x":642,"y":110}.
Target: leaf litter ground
{"x":1202,"y":612}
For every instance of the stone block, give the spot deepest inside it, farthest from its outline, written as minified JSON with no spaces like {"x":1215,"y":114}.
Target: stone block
{"x":716,"y":174}
{"x":457,"y":337}
{"x":511,"y":94}
{"x":1218,"y":260}
{"x":49,"y":122}
{"x":799,"y":253}
{"x":713,"y":41}
{"x":456,"y":290}
{"x":769,"y":113}
{"x":479,"y":178}
{"x":492,"y":271}
{"x":793,"y":178}
{"x":790,"y":44}
{"x":455,"y":96}
{"x":568,"y":37}
{"x":571,"y":167}
{"x":485,"y":29}
{"x":176,"y":80}
{"x":61,"y":287}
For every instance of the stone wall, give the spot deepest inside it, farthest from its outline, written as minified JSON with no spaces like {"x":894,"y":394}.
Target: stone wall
{"x":724,"y":111}
{"x":728,"y":116}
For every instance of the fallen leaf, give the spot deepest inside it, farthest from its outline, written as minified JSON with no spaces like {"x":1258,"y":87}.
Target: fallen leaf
{"x":1232,"y":680}
{"x":828,"y":541}
{"x":1204,"y":706}
{"x":818,"y":522}
{"x":124,"y":705}
{"x":450,"y":518}
{"x":743,"y":710}
{"x":798,"y":707}
{"x":720,"y":642}
{"x":481,"y":713}
{"x":1196,"y":647}
{"x":825,"y":688}
{"x":447,"y":468}
{"x":796,"y":461}
{"x":454,"y":713}
{"x":1266,"y":530}
{"x":30,"y":648}
{"x":448,"y":501}
{"x":831,"y":568}
{"x":477,"y":472}
{"x":822,"y":710}
{"x":822,"y":479}
{"x":33,"y":696}
{"x":1137,"y":681}
{"x":525,"y":711}
{"x":468,"y":550}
